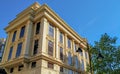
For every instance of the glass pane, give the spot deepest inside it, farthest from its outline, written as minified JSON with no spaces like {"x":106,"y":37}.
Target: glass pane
{"x":38,"y":28}
{"x":10,"y":53}
{"x":61,"y":53}
{"x":50,"y":48}
{"x":14,"y":36}
{"x":22,"y":32}
{"x":19,"y":50}
{"x":51,"y":31}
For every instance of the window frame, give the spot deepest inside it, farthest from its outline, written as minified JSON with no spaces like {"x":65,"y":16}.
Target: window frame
{"x":50,"y":48}
{"x":35,"y":49}
{"x":37,"y":28}
{"x":11,"y":70}
{"x":68,"y":43}
{"x":51,"y":30}
{"x":19,"y":49}
{"x":50,"y":65}
{"x":69,"y":59}
{"x":61,"y":53}
{"x":14,"y":36}
{"x":10,"y":53}
{"x":20,"y":67}
{"x":22,"y":32}
{"x":61,"y":37}
{"x":33,"y":64}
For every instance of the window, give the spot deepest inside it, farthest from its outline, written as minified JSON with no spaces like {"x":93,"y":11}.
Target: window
{"x":51,"y":30}
{"x":69,"y":43}
{"x":22,"y":31}
{"x":69,"y":59}
{"x":38,"y":28}
{"x":50,"y":65}
{"x":86,"y":56}
{"x":76,"y":62}
{"x":70,"y":72}
{"x":33,"y":65}
{"x":14,"y":36}
{"x":81,"y":53}
{"x":20,"y":67}
{"x":61,"y":53}
{"x":19,"y":50}
{"x":82,"y":65}
{"x":61,"y":37}
{"x":10,"y":53}
{"x":50,"y":48}
{"x":75,"y":47}
{"x":11,"y":70}
{"x":61,"y":69}
{"x":35,"y":47}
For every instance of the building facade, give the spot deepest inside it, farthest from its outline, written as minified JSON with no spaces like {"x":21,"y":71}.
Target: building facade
{"x":2,"y":45}
{"x":40,"y":42}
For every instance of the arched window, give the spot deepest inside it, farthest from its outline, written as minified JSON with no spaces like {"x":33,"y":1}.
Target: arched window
{"x":69,"y":59}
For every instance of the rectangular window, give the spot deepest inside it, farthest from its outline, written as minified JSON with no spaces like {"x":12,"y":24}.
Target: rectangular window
{"x":51,"y":31}
{"x":14,"y":36}
{"x":69,"y":59}
{"x":75,"y":47}
{"x":50,"y":65}
{"x":70,"y":72}
{"x":11,"y":70}
{"x":33,"y":65}
{"x":61,"y":69}
{"x":19,"y":48}
{"x":22,"y":31}
{"x":82,"y":65}
{"x":81,"y":53}
{"x":50,"y":48}
{"x":61,"y":53}
{"x":61,"y":37}
{"x":10,"y":53}
{"x":76,"y":62}
{"x":20,"y":67}
{"x":35,"y":47}
{"x":38,"y":28}
{"x":69,"y":43}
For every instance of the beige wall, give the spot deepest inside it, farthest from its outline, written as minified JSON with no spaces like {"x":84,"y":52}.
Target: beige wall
{"x":42,"y":58}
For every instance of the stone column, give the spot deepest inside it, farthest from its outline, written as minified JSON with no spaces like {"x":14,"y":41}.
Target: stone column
{"x":65,"y":48}
{"x":27,"y":44}
{"x":56,"y":43}
{"x":43,"y":32}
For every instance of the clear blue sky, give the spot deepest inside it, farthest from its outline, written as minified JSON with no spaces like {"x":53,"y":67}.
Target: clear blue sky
{"x":89,"y":18}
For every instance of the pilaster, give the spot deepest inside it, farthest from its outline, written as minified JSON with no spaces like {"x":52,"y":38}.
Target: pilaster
{"x":56,"y":42}
{"x":6,"y":52}
{"x":65,"y":48}
{"x":43,"y":33}
{"x":27,"y":43}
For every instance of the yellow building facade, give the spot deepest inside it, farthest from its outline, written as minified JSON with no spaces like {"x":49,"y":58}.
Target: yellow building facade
{"x":40,"y":42}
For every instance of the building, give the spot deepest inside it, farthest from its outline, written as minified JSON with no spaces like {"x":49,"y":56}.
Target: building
{"x":2,"y":45}
{"x":40,"y":42}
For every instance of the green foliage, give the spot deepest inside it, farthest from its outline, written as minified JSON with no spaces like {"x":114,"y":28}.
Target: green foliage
{"x":110,"y":64}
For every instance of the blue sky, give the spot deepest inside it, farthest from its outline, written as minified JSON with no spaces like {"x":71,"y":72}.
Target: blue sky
{"x":89,"y":18}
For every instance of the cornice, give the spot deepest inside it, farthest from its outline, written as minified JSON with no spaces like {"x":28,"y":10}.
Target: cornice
{"x":15,"y":62}
{"x":28,"y":12}
{"x":44,"y":8}
{"x":54,"y":61}
{"x":18,"y":21}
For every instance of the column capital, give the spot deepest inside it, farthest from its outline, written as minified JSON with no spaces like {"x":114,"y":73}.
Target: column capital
{"x":44,"y":19}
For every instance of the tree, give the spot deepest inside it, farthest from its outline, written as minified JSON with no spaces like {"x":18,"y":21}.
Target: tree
{"x":110,"y":64}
